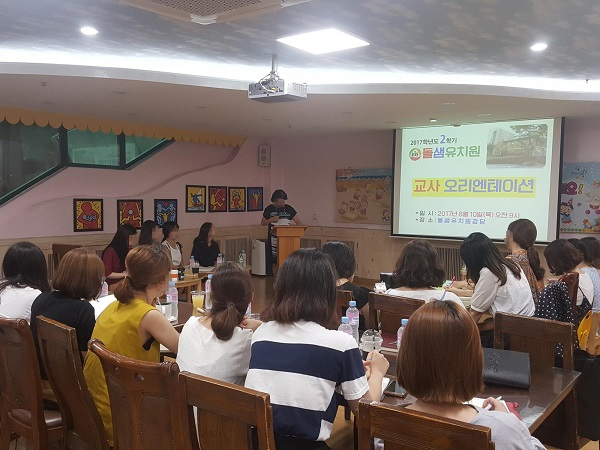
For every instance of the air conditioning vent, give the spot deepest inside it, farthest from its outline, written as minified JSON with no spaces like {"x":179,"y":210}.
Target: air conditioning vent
{"x":210,"y":11}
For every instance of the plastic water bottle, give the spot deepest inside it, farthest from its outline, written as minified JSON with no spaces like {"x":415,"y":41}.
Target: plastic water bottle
{"x":207,"y":292}
{"x":403,"y":324}
{"x":104,"y":291}
{"x":192,"y":262}
{"x":219,"y":259}
{"x":244,"y":258}
{"x":240,"y":258}
{"x":352,"y":313}
{"x":172,"y":293}
{"x":249,"y":308}
{"x":346,"y":327}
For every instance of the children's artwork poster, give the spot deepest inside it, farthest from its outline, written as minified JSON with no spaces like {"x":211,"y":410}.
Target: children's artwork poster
{"x":255,"y":199}
{"x":165,"y":210}
{"x":217,"y":199}
{"x":130,"y":211}
{"x":237,"y":199}
{"x":195,"y":198}
{"x":363,"y":196}
{"x":87,"y":214}
{"x":580,"y":198}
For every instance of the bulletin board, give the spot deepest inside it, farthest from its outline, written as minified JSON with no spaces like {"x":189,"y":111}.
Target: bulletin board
{"x":580,"y":198}
{"x":363,"y":196}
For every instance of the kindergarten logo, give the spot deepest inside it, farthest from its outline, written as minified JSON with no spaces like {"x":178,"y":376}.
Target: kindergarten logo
{"x":414,"y":154}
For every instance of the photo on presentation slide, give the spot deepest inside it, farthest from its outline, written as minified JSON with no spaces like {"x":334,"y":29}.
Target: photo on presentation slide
{"x":517,"y":146}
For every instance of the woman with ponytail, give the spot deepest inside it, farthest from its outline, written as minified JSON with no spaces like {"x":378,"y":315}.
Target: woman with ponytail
{"x":218,"y":345}
{"x":520,"y":238}
{"x":132,"y":326}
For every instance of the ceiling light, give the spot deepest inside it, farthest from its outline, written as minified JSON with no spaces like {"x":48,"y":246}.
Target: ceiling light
{"x":323,"y":41}
{"x":483,"y":114}
{"x":433,"y":120}
{"x":540,"y":46}
{"x":89,"y":31}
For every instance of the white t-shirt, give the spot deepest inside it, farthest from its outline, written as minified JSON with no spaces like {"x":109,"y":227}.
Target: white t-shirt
{"x":15,"y":303}
{"x":202,"y":353}
{"x":586,"y":287}
{"x":426,"y":294}
{"x":514,"y":297}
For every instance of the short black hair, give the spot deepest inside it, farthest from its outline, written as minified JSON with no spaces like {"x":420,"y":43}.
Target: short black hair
{"x":343,"y":258}
{"x":279,"y":193}
{"x":305,"y":289}
{"x":562,"y":256}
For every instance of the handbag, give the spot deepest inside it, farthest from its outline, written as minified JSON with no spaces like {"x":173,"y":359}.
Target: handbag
{"x":506,"y":368}
{"x":583,"y":330}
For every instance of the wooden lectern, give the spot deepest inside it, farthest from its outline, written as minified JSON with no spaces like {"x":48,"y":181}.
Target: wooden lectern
{"x":288,"y":240}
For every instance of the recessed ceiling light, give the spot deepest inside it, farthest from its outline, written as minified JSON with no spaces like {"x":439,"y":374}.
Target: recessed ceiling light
{"x":323,"y":41}
{"x":432,"y":120}
{"x":448,"y":104}
{"x":483,"y":114}
{"x":540,"y":46}
{"x":89,"y":31}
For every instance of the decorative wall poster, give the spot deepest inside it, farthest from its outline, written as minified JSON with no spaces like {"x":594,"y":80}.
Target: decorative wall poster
{"x":87,"y":214}
{"x":130,"y":211}
{"x":363,"y":196}
{"x":217,"y":199}
{"x":237,"y":199}
{"x":580,"y":198}
{"x":195,"y":198}
{"x":255,"y":199}
{"x":165,"y":210}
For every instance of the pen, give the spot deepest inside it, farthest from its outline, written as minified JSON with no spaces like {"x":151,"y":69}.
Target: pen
{"x":489,"y":406}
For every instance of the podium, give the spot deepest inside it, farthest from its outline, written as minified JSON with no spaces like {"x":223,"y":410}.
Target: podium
{"x":288,"y":240}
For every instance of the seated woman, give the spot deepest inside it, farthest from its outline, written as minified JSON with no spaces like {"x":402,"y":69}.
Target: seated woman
{"x":206,"y":249}
{"x":345,"y":266}
{"x":132,"y":326}
{"x":520,"y":239}
{"x":150,"y":233}
{"x":419,"y":272}
{"x":78,"y":279}
{"x":500,"y":284}
{"x":299,"y":362}
{"x":170,"y":235}
{"x":25,"y":277}
{"x":592,"y":246}
{"x":563,"y":257}
{"x":218,"y":345}
{"x":115,"y":252}
{"x":452,"y":373}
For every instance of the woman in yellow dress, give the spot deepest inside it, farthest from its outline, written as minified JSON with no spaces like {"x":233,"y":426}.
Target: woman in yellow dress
{"x":132,"y":326}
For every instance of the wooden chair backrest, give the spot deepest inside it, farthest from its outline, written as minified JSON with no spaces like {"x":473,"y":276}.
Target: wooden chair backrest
{"x":571,"y":279}
{"x":401,"y":429}
{"x":20,"y":381}
{"x":226,"y":413}
{"x":142,"y":401}
{"x":535,"y":336}
{"x":392,"y":310}
{"x":343,"y":301}
{"x":60,"y":354}
{"x":59,"y":250}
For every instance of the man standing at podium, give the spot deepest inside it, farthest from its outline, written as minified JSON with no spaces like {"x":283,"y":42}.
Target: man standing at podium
{"x":277,"y":211}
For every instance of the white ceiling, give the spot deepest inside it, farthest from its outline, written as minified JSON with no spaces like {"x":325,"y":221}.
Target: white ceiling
{"x":453,"y":60}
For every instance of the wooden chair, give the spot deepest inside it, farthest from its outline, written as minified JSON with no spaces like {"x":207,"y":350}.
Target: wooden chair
{"x":59,"y":250}
{"x":82,"y":424}
{"x":343,"y":301}
{"x":393,"y":309}
{"x":142,"y":400}
{"x":535,"y":336}
{"x":226,"y":413}
{"x":401,"y":429}
{"x":539,"y":338}
{"x":21,"y":410}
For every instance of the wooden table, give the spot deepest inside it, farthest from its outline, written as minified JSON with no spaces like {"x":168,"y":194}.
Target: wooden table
{"x":190,"y":284}
{"x":550,"y":386}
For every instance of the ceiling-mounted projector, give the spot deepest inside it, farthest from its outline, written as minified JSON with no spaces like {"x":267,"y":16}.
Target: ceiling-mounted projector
{"x":272,"y":89}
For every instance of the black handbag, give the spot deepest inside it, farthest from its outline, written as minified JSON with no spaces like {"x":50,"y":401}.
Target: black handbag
{"x":506,"y":368}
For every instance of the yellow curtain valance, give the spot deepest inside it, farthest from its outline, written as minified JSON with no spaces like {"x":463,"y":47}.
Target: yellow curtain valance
{"x":55,"y":120}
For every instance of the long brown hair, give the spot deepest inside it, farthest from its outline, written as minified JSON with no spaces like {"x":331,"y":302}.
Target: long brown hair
{"x":231,"y":293}
{"x":145,"y":265}
{"x":418,"y":266}
{"x":524,"y":234}
{"x":478,"y":251}
{"x":440,"y":359}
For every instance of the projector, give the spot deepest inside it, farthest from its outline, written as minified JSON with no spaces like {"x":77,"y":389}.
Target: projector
{"x":276,"y":91}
